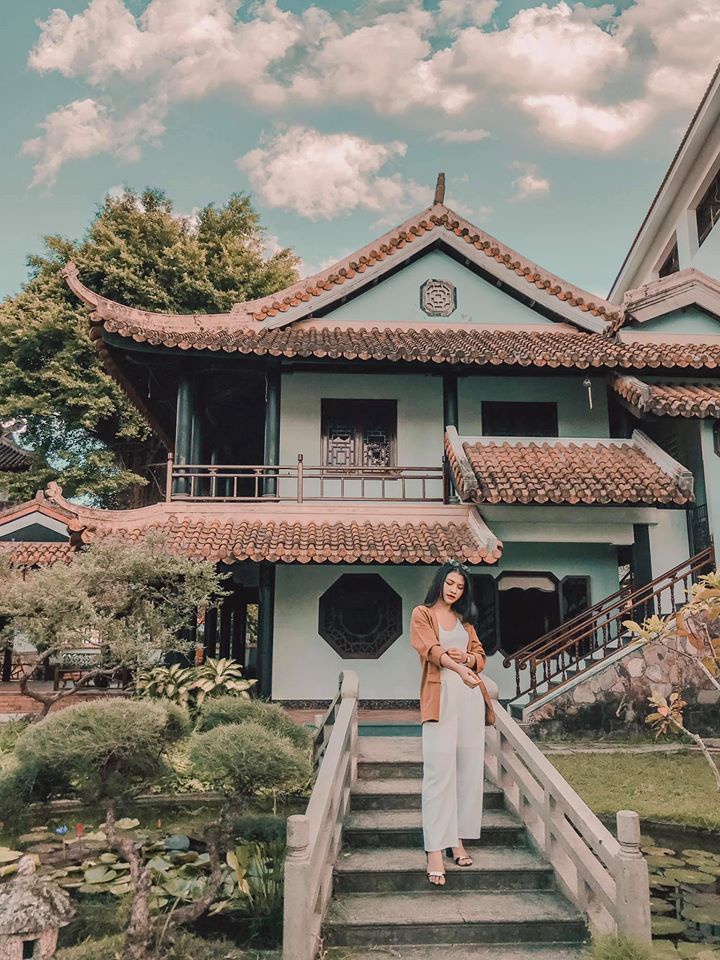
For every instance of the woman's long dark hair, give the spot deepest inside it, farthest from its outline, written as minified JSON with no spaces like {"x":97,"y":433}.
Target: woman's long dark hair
{"x":464,"y":607}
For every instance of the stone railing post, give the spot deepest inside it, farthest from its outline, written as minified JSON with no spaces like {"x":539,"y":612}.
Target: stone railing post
{"x":350,"y":689}
{"x":298,"y":914}
{"x":631,"y":881}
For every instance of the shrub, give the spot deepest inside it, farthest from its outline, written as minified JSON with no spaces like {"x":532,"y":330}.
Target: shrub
{"x":108,"y":948}
{"x":242,"y":758}
{"x":103,"y":749}
{"x":224,"y":710}
{"x":10,"y":730}
{"x":617,"y":948}
{"x":263,"y":828}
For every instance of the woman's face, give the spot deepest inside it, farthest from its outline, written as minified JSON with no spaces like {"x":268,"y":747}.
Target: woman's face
{"x":453,"y":587}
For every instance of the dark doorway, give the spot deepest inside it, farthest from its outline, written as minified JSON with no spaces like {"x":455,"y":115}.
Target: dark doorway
{"x":230,"y":629}
{"x":529,"y":607}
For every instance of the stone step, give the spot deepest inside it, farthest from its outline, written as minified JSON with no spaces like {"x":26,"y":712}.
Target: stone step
{"x":364,"y":919}
{"x":403,"y":828}
{"x":387,"y":769}
{"x":402,"y":869}
{"x":393,"y":793}
{"x":459,"y":951}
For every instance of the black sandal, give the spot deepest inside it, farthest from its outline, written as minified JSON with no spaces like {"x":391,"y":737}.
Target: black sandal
{"x":463,"y":856}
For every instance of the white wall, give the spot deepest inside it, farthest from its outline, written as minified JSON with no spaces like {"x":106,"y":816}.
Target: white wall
{"x":668,"y":540}
{"x":575,"y":418}
{"x":305,"y":667}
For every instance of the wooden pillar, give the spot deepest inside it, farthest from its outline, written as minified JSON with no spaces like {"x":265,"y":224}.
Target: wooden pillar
{"x":642,"y":565}
{"x":450,"y":419}
{"x":183,"y":429}
{"x":211,"y":630}
{"x":272,"y":426}
{"x":450,"y":400}
{"x":237,"y":649}
{"x":266,"y":623}
{"x":226,"y":618}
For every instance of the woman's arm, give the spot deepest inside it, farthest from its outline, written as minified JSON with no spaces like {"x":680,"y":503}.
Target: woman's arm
{"x":467,"y":675}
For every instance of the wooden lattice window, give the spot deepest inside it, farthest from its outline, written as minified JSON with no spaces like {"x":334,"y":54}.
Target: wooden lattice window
{"x":671,"y":263}
{"x":359,"y":433}
{"x":708,"y":210}
{"x":360,"y":616}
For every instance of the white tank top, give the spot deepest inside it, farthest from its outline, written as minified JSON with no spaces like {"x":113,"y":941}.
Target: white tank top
{"x":455,"y":637}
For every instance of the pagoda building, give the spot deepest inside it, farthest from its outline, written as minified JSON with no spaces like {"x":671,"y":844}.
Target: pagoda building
{"x":433,"y":396}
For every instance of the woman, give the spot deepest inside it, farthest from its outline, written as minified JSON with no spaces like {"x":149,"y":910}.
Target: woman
{"x":453,"y":713}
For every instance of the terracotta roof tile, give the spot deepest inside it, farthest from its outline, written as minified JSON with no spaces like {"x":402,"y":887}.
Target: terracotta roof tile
{"x":25,"y":553}
{"x":214,"y":536}
{"x":567,"y":471}
{"x":12,"y":457}
{"x":464,"y":346}
{"x":670,"y":399}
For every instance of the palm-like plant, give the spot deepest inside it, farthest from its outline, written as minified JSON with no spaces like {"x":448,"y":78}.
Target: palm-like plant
{"x":219,"y":677}
{"x":174,"y":683}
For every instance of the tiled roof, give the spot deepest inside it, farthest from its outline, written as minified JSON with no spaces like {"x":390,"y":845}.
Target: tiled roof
{"x":26,"y":553}
{"x":436,"y":223}
{"x":425,"y":535}
{"x":669,"y":399}
{"x":12,"y":458}
{"x":568,"y":471}
{"x":464,"y":345}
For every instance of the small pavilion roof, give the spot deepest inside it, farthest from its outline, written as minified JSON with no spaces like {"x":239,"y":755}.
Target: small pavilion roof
{"x":380,"y":533}
{"x":673,"y":399}
{"x":567,"y":470}
{"x":12,"y":457}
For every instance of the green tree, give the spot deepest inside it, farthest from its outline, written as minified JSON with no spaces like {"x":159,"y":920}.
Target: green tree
{"x":130,"y":601}
{"x":83,"y":429}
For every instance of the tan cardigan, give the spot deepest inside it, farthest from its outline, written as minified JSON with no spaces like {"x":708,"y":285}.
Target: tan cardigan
{"x":424,"y":637}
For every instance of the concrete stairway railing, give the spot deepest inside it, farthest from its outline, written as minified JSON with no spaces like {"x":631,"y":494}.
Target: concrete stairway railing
{"x":604,"y":877}
{"x":314,"y":837}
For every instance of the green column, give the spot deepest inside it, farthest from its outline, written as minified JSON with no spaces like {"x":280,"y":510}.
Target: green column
{"x":450,"y":400}
{"x":272,"y":426}
{"x":183,"y":429}
{"x":266,"y":623}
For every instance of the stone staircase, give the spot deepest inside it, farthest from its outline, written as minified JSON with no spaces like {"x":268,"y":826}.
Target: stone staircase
{"x":504,"y":907}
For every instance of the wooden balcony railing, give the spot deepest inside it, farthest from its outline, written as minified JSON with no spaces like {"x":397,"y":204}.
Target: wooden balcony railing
{"x":300,"y":483}
{"x":560,"y":654}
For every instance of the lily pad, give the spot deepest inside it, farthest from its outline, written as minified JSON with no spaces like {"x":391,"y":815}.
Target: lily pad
{"x":658,"y":905}
{"x":659,"y":860}
{"x":108,"y":858}
{"x":7,"y":869}
{"x":657,"y":851}
{"x":127,"y":823}
{"x":683,"y":875}
{"x":667,"y":926}
{"x":705,"y":915}
{"x":101,"y":874}
{"x":9,"y":856}
{"x":121,"y":889}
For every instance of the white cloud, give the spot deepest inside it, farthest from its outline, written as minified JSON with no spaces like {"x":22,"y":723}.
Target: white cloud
{"x":462,"y":136}
{"x":85,"y":128}
{"x":463,"y":12}
{"x":386,"y":63}
{"x":325,"y":175}
{"x":547,"y":49}
{"x":568,"y":119}
{"x":529,"y":183}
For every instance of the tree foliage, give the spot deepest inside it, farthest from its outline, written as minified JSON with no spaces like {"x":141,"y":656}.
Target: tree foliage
{"x":84,"y":431}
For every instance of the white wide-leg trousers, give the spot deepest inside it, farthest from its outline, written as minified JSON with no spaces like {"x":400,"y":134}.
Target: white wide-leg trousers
{"x":453,"y":766}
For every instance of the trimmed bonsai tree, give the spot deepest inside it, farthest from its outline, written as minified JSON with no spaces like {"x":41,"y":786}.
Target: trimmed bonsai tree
{"x":130,"y":602}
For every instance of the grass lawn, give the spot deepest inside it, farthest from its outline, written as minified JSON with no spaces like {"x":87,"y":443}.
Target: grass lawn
{"x":677,"y":786}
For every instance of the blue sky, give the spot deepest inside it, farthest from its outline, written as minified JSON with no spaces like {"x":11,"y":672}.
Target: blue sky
{"x":554,"y":122}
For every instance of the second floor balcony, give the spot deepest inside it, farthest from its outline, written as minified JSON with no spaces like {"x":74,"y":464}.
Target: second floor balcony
{"x":300,"y":482}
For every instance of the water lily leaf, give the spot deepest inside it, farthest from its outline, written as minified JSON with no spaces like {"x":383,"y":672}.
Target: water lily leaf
{"x":658,"y":905}
{"x":93,"y":888}
{"x":9,"y":856}
{"x":683,"y":875}
{"x":121,"y":889}
{"x":7,"y":869}
{"x":100,"y":874}
{"x":667,"y":926}
{"x":656,"y":860}
{"x":705,"y":915}
{"x":108,"y":858}
{"x":651,"y":849}
{"x":127,"y":823}
{"x":160,"y":865}
{"x":664,"y":950}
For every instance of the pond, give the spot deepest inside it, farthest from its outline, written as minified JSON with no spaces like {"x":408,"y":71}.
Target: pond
{"x":684,"y":868}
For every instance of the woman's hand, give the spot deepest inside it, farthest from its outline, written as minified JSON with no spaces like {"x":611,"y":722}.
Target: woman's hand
{"x":458,"y":655}
{"x":468,"y":676}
